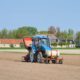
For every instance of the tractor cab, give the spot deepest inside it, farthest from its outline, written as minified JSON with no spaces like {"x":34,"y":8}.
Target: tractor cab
{"x":39,"y":41}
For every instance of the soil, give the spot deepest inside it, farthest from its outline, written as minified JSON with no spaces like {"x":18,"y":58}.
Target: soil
{"x":12,"y":68}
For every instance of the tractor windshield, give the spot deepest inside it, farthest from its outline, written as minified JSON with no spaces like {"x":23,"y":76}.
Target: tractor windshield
{"x":45,"y":41}
{"x":39,"y":41}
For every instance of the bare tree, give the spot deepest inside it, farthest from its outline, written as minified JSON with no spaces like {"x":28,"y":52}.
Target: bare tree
{"x":52,"y":30}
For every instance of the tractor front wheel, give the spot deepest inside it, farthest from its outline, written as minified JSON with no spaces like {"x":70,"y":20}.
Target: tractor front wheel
{"x":39,"y":57}
{"x":60,"y":61}
{"x":54,"y":61}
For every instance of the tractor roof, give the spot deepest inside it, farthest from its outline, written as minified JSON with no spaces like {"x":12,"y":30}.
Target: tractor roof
{"x":40,"y":36}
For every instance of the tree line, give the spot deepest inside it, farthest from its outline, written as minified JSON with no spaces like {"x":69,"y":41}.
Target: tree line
{"x":25,"y":31}
{"x":28,"y":31}
{"x":65,"y":34}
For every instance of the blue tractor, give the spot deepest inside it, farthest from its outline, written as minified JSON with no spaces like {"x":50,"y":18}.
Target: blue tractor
{"x":40,"y":51}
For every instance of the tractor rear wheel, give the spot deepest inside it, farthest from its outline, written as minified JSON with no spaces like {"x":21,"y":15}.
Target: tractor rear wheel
{"x":39,"y":57}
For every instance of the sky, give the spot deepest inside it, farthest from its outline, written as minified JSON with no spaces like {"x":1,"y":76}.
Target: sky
{"x":40,"y":14}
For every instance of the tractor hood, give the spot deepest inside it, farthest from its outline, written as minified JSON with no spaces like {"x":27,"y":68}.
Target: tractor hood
{"x":49,"y":51}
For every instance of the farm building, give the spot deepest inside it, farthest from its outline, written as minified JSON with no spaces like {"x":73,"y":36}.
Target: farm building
{"x":7,"y":43}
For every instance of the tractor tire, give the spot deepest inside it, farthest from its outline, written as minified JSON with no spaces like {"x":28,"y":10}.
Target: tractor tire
{"x":39,"y":57}
{"x":54,"y":61}
{"x":31,"y":57}
{"x":47,"y":61}
{"x":60,"y":61}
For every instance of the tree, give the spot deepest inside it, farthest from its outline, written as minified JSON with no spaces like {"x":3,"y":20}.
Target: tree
{"x":77,"y":39}
{"x":43,"y":32}
{"x":12,"y":34}
{"x":0,"y":34}
{"x":25,"y":31}
{"x":78,"y":36}
{"x":31,"y":30}
{"x":58,"y":32}
{"x":70,"y":34}
{"x":64,"y":35}
{"x":21,"y":32}
{"x":52,"y":30}
{"x":4,"y":33}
